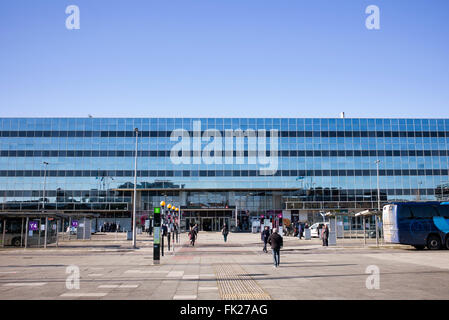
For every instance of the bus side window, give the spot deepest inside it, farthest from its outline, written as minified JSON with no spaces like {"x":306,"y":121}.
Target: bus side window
{"x":423,"y":212}
{"x":435,"y":211}
{"x":444,"y":211}
{"x":406,"y":213}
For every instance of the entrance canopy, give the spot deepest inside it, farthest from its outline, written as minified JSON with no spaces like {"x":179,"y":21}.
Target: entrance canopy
{"x":368,"y":213}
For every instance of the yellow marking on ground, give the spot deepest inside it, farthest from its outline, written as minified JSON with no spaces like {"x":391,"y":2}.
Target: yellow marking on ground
{"x":235,"y":284}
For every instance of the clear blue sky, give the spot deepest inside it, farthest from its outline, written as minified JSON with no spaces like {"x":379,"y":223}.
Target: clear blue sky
{"x":230,"y":58}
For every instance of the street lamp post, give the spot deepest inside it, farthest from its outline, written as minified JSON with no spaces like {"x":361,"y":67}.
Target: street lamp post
{"x":43,"y":204}
{"x":136,"y":130}
{"x":378,"y":203}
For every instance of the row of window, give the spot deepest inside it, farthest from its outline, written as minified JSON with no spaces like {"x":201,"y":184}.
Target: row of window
{"x":259,"y":121}
{"x":220,"y":173}
{"x":282,"y":153}
{"x":164,"y":134}
{"x":126,"y":197}
{"x":423,"y":212}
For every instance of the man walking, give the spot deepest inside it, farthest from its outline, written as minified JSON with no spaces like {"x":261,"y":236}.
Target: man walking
{"x":276,"y":242}
{"x":265,"y":235}
{"x":225,"y":232}
{"x":325,"y":235}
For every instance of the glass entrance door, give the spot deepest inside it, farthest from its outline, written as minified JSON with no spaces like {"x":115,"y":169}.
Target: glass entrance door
{"x":206,"y":224}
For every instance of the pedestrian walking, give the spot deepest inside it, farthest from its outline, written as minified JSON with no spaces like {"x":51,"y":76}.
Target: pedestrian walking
{"x":276,"y":242}
{"x":176,"y":231}
{"x":299,"y":231}
{"x":192,"y":236}
{"x":196,"y":228}
{"x":225,"y":232}
{"x":265,"y":235}
{"x":325,"y":235}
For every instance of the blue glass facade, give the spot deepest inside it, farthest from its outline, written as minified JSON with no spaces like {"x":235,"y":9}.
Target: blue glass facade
{"x":318,"y":163}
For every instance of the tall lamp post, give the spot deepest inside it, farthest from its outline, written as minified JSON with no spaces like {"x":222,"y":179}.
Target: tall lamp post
{"x":136,"y":130}
{"x":43,"y":204}
{"x":378,"y":203}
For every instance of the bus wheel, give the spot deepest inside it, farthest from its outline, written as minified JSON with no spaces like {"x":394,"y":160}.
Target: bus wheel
{"x":16,"y":242}
{"x":447,"y":242}
{"x":434,"y":242}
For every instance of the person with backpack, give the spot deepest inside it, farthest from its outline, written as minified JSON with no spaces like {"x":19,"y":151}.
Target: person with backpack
{"x":225,"y":232}
{"x":276,"y":242}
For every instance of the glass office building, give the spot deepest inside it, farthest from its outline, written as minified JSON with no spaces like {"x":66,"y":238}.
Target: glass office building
{"x":213,"y":168}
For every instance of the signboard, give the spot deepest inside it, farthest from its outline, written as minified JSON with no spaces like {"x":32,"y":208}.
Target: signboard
{"x":157,"y":235}
{"x":33,"y":226}
{"x":75,"y":223}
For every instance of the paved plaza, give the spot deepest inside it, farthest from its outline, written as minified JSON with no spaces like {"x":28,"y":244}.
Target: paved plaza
{"x":110,"y":269}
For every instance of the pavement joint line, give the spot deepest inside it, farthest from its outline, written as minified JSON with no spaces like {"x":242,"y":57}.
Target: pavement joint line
{"x":146,"y":271}
{"x":85,"y":294}
{"x":190,"y":276}
{"x":28,"y":284}
{"x":207,"y":288}
{"x":105,"y":286}
{"x":175,"y":274}
{"x":95,"y":274}
{"x":129,"y":286}
{"x":184,"y":297}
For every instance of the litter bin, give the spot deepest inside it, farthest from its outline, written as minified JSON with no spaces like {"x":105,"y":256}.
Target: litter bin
{"x":129,"y":235}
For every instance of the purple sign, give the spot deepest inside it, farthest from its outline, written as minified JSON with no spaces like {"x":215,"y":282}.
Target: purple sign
{"x":33,"y":226}
{"x":75,"y":224}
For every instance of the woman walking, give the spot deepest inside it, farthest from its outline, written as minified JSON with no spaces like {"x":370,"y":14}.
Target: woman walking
{"x":192,"y":236}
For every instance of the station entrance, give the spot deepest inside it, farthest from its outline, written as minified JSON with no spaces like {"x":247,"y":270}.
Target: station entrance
{"x":207,"y":219}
